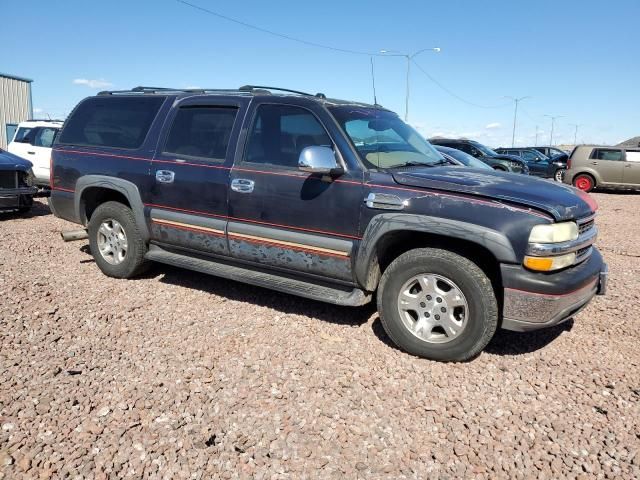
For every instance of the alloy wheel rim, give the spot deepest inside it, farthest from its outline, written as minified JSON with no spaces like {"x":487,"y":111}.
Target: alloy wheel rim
{"x":559,"y":175}
{"x":112,"y":241}
{"x":433,"y":308}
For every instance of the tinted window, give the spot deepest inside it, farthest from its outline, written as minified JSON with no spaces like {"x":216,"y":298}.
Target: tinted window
{"x":279,"y":133}
{"x":606,"y":154}
{"x":201,"y":132}
{"x":23,"y":132}
{"x":529,"y":156}
{"x":111,"y":121}
{"x":44,"y":137}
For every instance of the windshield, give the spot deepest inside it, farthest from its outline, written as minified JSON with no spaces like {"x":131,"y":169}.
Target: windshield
{"x":383,"y":140}
{"x":485,"y":150}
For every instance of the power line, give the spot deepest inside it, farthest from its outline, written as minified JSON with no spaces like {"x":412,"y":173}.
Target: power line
{"x":454,"y":95}
{"x":277,"y":34}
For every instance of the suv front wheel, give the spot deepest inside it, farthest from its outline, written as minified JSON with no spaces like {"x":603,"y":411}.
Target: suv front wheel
{"x":436,"y":304}
{"x":116,"y":243}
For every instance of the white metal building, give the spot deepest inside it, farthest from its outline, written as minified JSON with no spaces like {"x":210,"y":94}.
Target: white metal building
{"x":15,"y":105}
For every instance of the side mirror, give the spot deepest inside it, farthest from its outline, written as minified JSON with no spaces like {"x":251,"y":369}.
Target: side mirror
{"x":317,"y":159}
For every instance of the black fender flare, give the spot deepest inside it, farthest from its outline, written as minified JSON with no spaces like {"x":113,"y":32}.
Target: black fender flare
{"x":124,"y":187}
{"x":494,"y":241}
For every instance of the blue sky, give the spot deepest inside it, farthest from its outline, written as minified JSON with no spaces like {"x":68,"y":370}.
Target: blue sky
{"x":578,"y":59}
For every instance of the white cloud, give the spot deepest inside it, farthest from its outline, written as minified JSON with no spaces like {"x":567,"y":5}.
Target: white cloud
{"x":38,"y":110}
{"x":92,"y":83}
{"x":493,"y":125}
{"x":193,"y":87}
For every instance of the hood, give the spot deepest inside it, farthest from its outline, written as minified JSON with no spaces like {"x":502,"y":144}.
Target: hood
{"x":9,"y":161}
{"x":561,"y":201}
{"x":505,"y":156}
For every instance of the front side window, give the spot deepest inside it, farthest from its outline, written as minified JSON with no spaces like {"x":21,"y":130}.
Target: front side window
{"x":280,"y":132}
{"x":607,"y":154}
{"x":382,"y":140}
{"x":22,"y":134}
{"x":44,"y":137}
{"x":201,"y":131}
{"x":108,"y":121}
{"x":530,"y":156}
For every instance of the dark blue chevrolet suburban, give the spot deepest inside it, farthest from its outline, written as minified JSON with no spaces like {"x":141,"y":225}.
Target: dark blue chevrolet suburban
{"x":331,"y":200}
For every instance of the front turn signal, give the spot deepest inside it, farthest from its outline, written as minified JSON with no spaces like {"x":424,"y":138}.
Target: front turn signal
{"x":549,"y":264}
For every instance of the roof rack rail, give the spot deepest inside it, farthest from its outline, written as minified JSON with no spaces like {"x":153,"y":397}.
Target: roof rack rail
{"x":44,"y":120}
{"x":252,"y":88}
{"x":151,"y":90}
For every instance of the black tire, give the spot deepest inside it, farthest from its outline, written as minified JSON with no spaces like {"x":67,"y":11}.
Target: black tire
{"x":558,"y":175}
{"x":482,"y":315}
{"x":134,"y":262}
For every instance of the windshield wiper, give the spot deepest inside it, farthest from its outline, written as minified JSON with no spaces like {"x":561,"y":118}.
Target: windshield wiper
{"x":421,"y":164}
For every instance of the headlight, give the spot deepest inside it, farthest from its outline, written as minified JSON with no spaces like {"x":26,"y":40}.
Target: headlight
{"x":29,"y":178}
{"x":554,"y":233}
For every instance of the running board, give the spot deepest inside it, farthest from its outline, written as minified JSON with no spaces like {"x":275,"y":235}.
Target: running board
{"x":353,"y":298}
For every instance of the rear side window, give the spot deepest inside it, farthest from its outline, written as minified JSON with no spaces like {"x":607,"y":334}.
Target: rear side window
{"x":111,"y":122}
{"x":201,"y":131}
{"x":633,"y":155}
{"x":44,"y":137}
{"x":606,"y":154}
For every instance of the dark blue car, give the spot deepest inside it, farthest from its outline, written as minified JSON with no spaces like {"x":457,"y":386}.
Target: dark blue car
{"x":16,"y":183}
{"x":327,"y":199}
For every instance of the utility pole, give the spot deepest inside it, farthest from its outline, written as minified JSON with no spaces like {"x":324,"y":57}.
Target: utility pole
{"x":536,"y":136}
{"x":515,"y":117}
{"x":409,"y":57}
{"x":553,"y":121}
{"x":575,"y":133}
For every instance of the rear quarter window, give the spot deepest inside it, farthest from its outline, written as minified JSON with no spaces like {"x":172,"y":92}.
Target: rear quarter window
{"x":117,"y":122}
{"x":606,"y":154}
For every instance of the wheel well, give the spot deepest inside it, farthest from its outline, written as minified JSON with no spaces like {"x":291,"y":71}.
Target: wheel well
{"x":93,"y":197}
{"x":498,"y":167}
{"x":394,"y":244}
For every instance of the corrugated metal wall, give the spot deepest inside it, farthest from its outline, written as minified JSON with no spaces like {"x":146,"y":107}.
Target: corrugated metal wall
{"x":15,"y":104}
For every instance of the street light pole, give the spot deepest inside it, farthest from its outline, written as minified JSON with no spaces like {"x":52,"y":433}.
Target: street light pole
{"x":536,"y":136}
{"x":515,"y":116}
{"x":409,"y":57}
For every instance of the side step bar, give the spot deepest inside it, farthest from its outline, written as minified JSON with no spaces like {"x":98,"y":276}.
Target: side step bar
{"x":353,"y":298}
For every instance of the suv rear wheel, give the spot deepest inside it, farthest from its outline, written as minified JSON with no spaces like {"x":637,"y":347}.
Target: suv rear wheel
{"x":436,"y":304}
{"x":584,"y":182}
{"x":116,"y":243}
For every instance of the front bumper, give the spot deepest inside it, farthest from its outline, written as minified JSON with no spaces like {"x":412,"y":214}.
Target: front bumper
{"x":10,"y":198}
{"x":552,"y":301}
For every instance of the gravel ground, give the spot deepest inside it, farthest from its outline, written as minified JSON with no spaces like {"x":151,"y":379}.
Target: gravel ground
{"x":180,"y":375}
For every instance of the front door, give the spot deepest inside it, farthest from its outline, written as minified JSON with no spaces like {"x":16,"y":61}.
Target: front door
{"x":631,"y":173}
{"x":537,"y":166}
{"x":281,"y":217}
{"x":188,"y":202}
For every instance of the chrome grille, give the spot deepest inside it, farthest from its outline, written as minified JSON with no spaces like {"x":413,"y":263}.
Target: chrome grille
{"x":8,"y":179}
{"x":586,"y":226}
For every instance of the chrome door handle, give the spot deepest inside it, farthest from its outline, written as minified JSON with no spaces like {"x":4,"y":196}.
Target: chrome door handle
{"x":165,"y":176}
{"x":594,"y":163}
{"x":31,"y":153}
{"x":242,"y":185}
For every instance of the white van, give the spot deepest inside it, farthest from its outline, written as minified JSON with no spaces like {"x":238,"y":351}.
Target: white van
{"x":32,"y":141}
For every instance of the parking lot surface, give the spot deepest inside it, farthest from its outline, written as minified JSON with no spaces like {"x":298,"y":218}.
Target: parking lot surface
{"x":181,"y":375}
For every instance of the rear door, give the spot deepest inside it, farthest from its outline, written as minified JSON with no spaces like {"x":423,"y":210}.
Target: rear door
{"x":190,"y":174}
{"x":282,"y":217}
{"x":609,"y":163}
{"x":41,"y":148}
{"x":21,"y":143}
{"x":631,"y":173}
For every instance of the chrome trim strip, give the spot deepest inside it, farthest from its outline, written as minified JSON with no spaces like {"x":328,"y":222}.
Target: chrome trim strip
{"x":550,"y":249}
{"x":583,"y":220}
